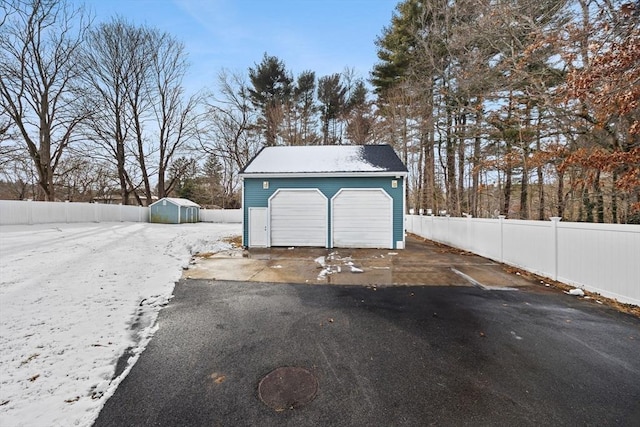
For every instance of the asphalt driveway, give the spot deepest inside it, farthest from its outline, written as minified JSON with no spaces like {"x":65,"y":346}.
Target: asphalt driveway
{"x":384,"y":356}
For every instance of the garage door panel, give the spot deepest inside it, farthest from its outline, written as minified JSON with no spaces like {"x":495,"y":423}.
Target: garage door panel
{"x":298,"y":218}
{"x":362,"y":218}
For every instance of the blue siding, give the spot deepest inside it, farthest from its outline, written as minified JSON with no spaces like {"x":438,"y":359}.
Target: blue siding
{"x":255,"y":196}
{"x":165,"y":214}
{"x":189,"y":214}
{"x":168,"y":213}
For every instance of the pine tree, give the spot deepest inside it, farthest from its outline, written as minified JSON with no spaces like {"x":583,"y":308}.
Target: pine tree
{"x":271,"y":92}
{"x":331,"y":94}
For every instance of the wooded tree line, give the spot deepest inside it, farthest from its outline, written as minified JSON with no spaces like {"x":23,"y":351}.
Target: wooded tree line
{"x":526,"y":108}
{"x":523,"y":108}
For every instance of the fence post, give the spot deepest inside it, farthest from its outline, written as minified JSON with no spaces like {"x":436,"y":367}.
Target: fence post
{"x":30,"y":211}
{"x":554,"y":232}
{"x":431,"y":228}
{"x":469,"y":225}
{"x":501,"y":219}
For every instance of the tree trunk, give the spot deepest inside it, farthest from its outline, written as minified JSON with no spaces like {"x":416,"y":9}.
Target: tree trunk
{"x":475,"y":172}
{"x":451,"y":165}
{"x":428,"y":185}
{"x":614,"y":199}
{"x":419,"y":191}
{"x":524,"y":189}
{"x":122,"y":173}
{"x":540,"y":171}
{"x":599,"y":203}
{"x":508,"y":171}
{"x":586,"y":208}
{"x":460,"y":131}
{"x":560,"y":194}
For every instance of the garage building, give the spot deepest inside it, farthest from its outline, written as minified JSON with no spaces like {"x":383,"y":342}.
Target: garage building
{"x":341,"y":196}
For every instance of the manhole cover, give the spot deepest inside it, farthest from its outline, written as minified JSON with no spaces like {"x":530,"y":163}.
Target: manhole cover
{"x":288,"y":388}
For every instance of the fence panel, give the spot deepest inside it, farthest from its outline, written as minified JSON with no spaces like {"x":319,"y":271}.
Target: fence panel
{"x":16,"y":212}
{"x":604,"y":258}
{"x":457,"y":233}
{"x":484,"y":238}
{"x":43,"y":212}
{"x":80,"y":212}
{"x":601,"y":258}
{"x":134,"y":213}
{"x":221,"y":215}
{"x":527,"y":244}
{"x":440,"y":229}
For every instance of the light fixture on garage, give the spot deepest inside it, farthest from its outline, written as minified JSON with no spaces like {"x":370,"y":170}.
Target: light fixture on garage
{"x":265,"y":185}
{"x":394,"y":183}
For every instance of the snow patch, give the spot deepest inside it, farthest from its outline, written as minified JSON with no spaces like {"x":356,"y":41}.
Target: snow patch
{"x":311,"y":159}
{"x":333,"y":263}
{"x":75,"y":299}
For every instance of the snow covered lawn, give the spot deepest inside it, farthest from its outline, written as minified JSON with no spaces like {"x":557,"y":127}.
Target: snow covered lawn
{"x":76,"y":297}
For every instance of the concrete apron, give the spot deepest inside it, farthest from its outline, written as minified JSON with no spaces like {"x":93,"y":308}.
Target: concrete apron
{"x":421,"y":263}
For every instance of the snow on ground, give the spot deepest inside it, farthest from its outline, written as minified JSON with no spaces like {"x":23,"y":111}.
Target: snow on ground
{"x":74,"y":298}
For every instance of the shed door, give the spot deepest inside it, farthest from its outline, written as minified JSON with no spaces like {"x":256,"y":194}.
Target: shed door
{"x":362,"y":218}
{"x":298,"y":217}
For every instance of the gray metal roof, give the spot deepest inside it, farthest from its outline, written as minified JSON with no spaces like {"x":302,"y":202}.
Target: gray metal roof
{"x":326,"y":159}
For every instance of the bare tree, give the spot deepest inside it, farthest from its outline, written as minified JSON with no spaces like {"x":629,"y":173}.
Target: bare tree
{"x":140,"y":117}
{"x":230,"y":131}
{"x":39,"y":45}
{"x":109,"y":55}
{"x":176,"y":118}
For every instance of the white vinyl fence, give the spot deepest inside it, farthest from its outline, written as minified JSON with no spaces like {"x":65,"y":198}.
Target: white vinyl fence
{"x":14,"y":212}
{"x":602,"y":258}
{"x":228,"y":216}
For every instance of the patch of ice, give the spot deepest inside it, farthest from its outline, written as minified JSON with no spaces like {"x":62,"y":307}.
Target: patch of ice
{"x":576,"y":292}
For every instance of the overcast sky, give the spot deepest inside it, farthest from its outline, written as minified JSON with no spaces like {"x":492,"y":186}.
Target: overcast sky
{"x":324,"y":36}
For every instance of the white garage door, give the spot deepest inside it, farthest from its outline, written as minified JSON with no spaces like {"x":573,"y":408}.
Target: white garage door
{"x":362,"y":218}
{"x":298,"y":218}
